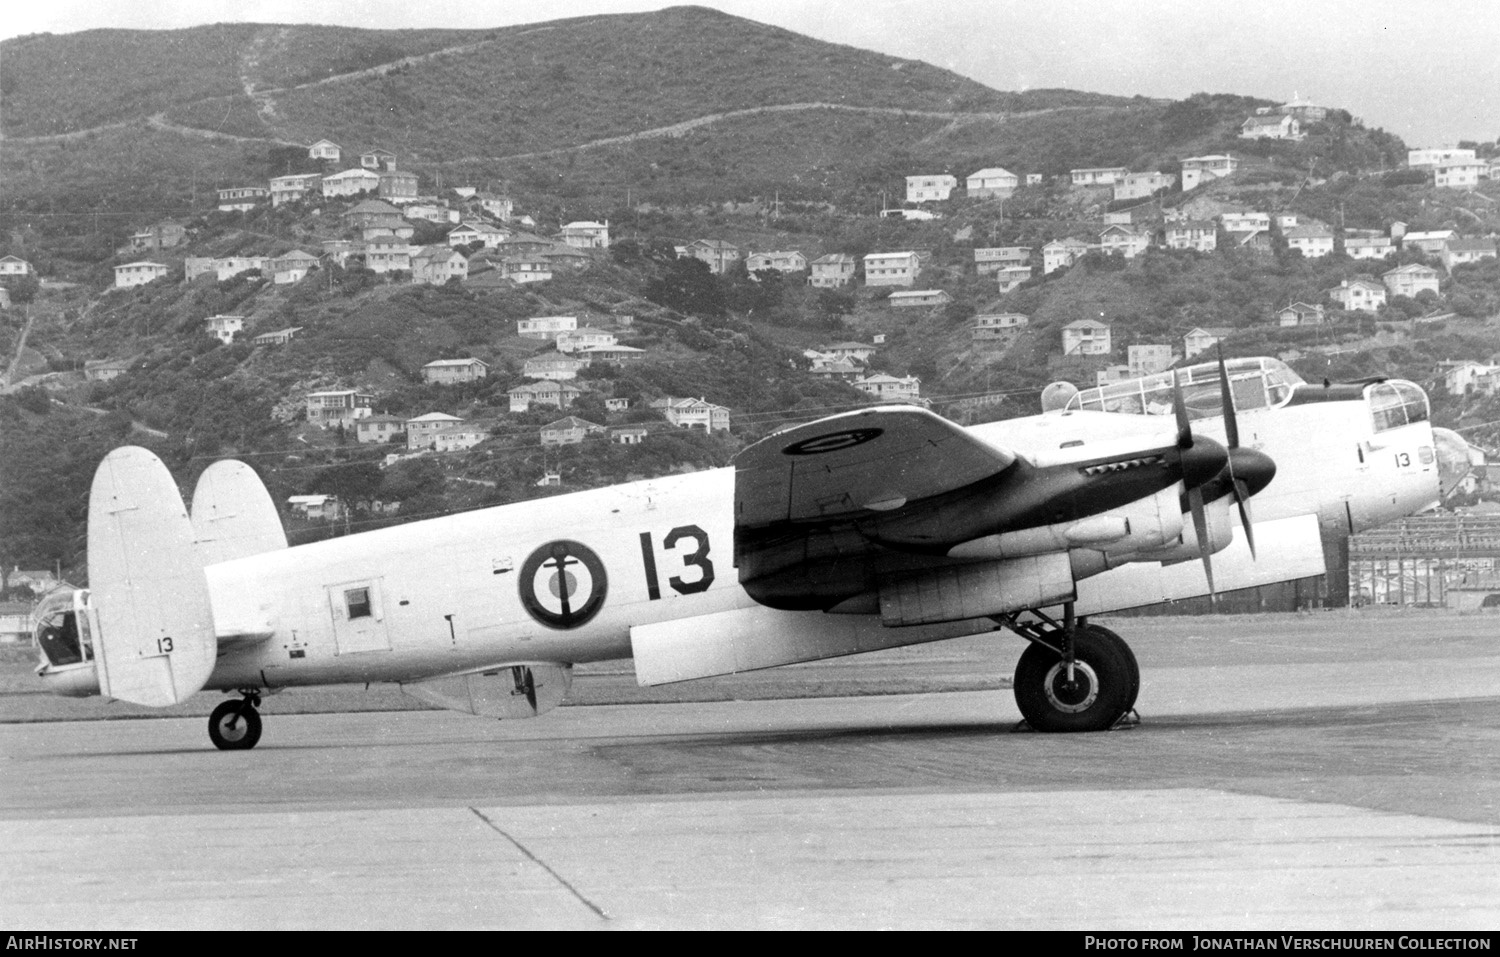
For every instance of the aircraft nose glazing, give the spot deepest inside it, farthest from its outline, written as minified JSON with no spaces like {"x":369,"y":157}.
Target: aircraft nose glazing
{"x":1202,"y":461}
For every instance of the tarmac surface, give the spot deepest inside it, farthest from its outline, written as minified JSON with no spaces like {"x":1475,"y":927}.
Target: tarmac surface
{"x":1312,"y":772}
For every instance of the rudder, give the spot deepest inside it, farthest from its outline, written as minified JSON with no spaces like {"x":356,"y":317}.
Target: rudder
{"x":155,"y":638}
{"x":233,"y":515}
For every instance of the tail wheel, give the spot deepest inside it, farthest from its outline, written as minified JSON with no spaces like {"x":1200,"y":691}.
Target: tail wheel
{"x":234,"y":726}
{"x":1091,"y":696}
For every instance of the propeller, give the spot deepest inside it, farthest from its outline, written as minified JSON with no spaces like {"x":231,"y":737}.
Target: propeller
{"x":1246,"y":466}
{"x":1196,"y":467}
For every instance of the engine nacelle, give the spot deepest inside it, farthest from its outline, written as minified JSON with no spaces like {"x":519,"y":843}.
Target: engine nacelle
{"x":1155,"y":521}
{"x":1220,"y":522}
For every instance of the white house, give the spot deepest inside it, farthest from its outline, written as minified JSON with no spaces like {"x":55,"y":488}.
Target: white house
{"x":1360,"y":294}
{"x":223,"y":328}
{"x":919,"y":297}
{"x":545,"y":327}
{"x":893,"y":388}
{"x":574,"y":340}
{"x":337,"y":407}
{"x":1202,"y":339}
{"x":1009,"y":277}
{"x":697,"y":413}
{"x":1142,"y":185}
{"x":1124,"y":240}
{"x":1271,"y":126}
{"x":422,"y":431}
{"x":832,"y":270}
{"x":1411,"y":279}
{"x":988,"y":259}
{"x":1367,"y":247}
{"x":1313,"y":241}
{"x":138,"y":274}
{"x":447,"y":371}
{"x":1098,"y":176}
{"x":891,"y":269}
{"x":324,"y":150}
{"x":1062,"y":252}
{"x":926,"y":189}
{"x":586,"y":235}
{"x":1429,"y":158}
{"x":1086,"y":337}
{"x":781,"y":261}
{"x":997,"y":325}
{"x":992,"y":182}
{"x":1147,"y":359}
{"x":351,"y":182}
{"x":1460,"y":174}
{"x":1197,"y":170}
{"x":1199,"y":234}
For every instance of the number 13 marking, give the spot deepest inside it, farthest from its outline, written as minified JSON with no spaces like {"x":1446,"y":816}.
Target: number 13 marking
{"x":697,"y":558}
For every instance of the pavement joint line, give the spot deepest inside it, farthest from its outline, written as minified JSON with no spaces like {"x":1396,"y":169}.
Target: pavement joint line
{"x":542,"y":864}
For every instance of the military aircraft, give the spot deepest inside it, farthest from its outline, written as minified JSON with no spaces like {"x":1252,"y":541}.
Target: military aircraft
{"x":870,"y":529}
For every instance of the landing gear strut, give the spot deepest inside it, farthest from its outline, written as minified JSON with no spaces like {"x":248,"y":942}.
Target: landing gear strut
{"x":1074,"y":676}
{"x":235,"y":725}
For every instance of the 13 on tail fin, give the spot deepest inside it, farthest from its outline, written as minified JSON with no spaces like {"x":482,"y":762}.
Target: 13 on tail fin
{"x":154,"y":633}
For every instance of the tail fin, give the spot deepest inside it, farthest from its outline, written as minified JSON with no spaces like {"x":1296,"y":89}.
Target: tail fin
{"x":233,"y":515}
{"x":155,"y":641}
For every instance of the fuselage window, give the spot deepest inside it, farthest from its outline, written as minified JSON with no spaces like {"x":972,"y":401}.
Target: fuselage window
{"x":358,"y":602}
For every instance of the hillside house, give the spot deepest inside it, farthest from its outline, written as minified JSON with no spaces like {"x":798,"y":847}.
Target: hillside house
{"x":280,"y":337}
{"x":719,"y":255}
{"x":1456,"y":252}
{"x":422,"y":431}
{"x":1460,"y":174}
{"x":1302,"y":109}
{"x":1368,"y":247}
{"x":910,"y":215}
{"x":827,"y":367}
{"x":380,"y":429}
{"x":551,"y":365}
{"x":105,"y":370}
{"x":618,"y":404}
{"x":435,"y":265}
{"x":1271,"y":126}
{"x":1361,"y":294}
{"x":498,"y":206}
{"x":558,"y":395}
{"x":338,"y":251}
{"x":1199,"y":234}
{"x":783,"y":261}
{"x":15,"y":266}
{"x":889,"y":388}
{"x":317,"y":508}
{"x":1061,"y":253}
{"x":930,"y":189}
{"x":377,"y":159}
{"x":227,"y":267}
{"x":1144,"y":360}
{"x":375,"y":213}
{"x":831,"y":271}
{"x":696,"y":414}
{"x":1086,"y":337}
{"x":573,"y":340}
{"x":461,"y":438}
{"x":1197,"y":170}
{"x":351,"y":182}
{"x":857,"y":351}
{"x":569,"y":431}
{"x":1430,"y":158}
{"x":138,"y":274}
{"x":545,"y":327}
{"x":892,"y":269}
{"x":162,"y":235}
{"x":1244,"y":222}
{"x":1411,"y":279}
{"x":526,"y":267}
{"x":290,"y":267}
{"x":1124,"y":240}
{"x":293,"y":188}
{"x":1143,"y":185}
{"x":1430,"y":242}
{"x":325,"y":150}
{"x":1009,"y":277}
{"x":1098,"y":175}
{"x":224,"y":328}
{"x":523,"y":244}
{"x":561,"y":258}
{"x":628,"y":434}
{"x":1463,"y":376}
{"x":449,"y":371}
{"x":992,"y":182}
{"x":918,"y":298}
{"x":997,"y":325}
{"x":1201,"y":339}
{"x":385,"y":254}
{"x":617,"y":354}
{"x":242,"y":199}
{"x":398,"y":187}
{"x":1300,"y":314}
{"x":1256,"y":240}
{"x":470,"y":232}
{"x":1312,"y":241}
{"x":990,"y":259}
{"x":337,"y":407}
{"x":430,"y":213}
{"x":585,"y":234}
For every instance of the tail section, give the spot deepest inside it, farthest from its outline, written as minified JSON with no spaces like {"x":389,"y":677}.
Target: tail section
{"x":154,"y":636}
{"x":233,"y":515}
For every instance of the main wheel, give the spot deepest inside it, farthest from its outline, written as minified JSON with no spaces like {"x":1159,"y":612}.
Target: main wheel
{"x":234,"y":726}
{"x":1102,"y":687}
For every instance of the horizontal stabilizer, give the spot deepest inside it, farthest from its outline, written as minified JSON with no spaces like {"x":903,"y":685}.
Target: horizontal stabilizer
{"x":233,"y":515}
{"x":155,"y":638}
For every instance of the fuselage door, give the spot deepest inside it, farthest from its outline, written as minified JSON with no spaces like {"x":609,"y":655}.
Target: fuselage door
{"x":358,"y":617}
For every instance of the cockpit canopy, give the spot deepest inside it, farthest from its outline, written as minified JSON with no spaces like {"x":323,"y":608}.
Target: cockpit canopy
{"x":1259,"y":383}
{"x":62,"y":634}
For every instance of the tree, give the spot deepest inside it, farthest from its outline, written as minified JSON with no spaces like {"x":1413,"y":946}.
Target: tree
{"x":688,"y":286}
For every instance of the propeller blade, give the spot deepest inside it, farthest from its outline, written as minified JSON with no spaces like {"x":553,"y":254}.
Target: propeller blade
{"x":1179,"y":406}
{"x":1242,"y":499}
{"x":1200,"y":528}
{"x":1231,"y":425}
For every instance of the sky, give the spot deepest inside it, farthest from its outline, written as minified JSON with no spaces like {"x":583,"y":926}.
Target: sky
{"x":1426,"y":70}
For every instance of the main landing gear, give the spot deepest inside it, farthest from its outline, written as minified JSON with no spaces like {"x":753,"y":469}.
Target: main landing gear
{"x":235,"y":725}
{"x":1074,"y":676}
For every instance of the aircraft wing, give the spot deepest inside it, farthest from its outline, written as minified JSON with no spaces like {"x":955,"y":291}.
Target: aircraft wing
{"x":851,"y":464}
